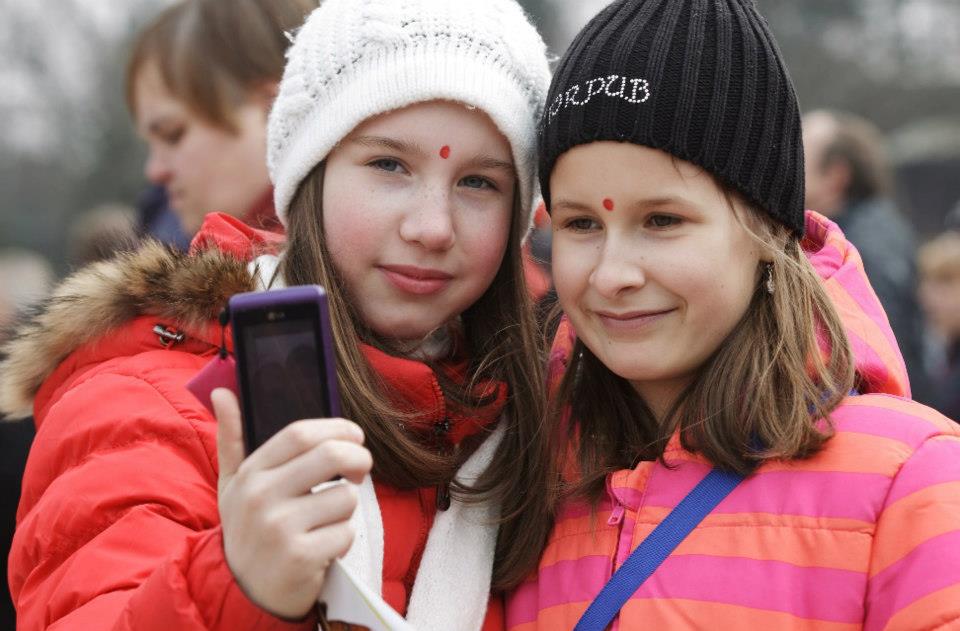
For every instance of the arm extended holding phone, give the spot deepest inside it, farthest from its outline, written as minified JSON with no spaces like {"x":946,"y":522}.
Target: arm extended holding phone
{"x":279,"y":537}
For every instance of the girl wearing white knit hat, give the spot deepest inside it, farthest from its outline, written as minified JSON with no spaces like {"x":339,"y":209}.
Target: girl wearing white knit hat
{"x":401,"y":149}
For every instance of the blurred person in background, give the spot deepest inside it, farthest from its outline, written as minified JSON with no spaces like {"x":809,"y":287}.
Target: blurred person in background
{"x":157,"y":220}
{"x":25,"y":278}
{"x":849,"y":179}
{"x":200,"y":81}
{"x":939,"y":266}
{"x":100,"y":233}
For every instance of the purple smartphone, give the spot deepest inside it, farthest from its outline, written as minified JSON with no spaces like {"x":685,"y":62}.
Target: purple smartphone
{"x":286,"y":364}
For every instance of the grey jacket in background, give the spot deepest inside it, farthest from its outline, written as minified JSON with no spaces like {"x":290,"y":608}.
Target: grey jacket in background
{"x":887,"y":245}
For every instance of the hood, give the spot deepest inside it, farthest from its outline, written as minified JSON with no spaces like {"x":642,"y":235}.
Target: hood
{"x":879,"y":364}
{"x":156,"y":280}
{"x":877,"y":359}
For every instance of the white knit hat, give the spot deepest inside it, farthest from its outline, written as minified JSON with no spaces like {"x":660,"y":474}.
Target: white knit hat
{"x":354,"y":59}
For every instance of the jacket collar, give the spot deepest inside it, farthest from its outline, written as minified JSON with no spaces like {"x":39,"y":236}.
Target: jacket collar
{"x":417,"y":390}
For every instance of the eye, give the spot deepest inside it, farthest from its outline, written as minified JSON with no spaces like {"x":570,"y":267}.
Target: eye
{"x":580,"y":224}
{"x":475,"y":181}
{"x":663,"y":221}
{"x":171,"y":136}
{"x":387,"y":164}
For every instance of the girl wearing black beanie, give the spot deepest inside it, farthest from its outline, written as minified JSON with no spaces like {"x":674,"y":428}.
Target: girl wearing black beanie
{"x":743,"y":450}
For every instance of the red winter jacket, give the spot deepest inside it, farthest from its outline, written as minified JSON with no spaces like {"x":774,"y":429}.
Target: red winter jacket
{"x":118,"y":526}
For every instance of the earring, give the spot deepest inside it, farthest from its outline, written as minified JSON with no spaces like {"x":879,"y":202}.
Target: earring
{"x":770,"y":285}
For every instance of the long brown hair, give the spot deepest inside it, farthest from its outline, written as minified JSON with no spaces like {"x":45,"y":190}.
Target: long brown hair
{"x":502,"y":344}
{"x":766,"y":393}
{"x":212,"y":54}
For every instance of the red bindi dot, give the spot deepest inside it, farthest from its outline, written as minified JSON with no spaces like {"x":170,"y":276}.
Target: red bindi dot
{"x":445,"y":152}
{"x":608,"y":203}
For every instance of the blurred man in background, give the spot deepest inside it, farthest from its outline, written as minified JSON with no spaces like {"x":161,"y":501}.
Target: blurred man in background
{"x":849,"y":179}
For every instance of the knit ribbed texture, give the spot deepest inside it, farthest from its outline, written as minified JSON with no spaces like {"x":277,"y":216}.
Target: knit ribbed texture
{"x":353,"y":60}
{"x":702,"y":80}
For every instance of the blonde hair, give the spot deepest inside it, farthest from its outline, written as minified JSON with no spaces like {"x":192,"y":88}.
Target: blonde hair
{"x":502,"y":344}
{"x":766,"y":393}
{"x":940,"y":257}
{"x":212,"y":53}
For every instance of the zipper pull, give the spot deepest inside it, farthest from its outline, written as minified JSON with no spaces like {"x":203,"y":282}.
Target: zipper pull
{"x":167,"y":336}
{"x":224,"y":319}
{"x":617,"y":515}
{"x":443,"y":497}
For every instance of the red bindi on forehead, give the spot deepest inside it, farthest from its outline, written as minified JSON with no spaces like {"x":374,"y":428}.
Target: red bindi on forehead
{"x":445,"y":152}
{"x":608,"y":203}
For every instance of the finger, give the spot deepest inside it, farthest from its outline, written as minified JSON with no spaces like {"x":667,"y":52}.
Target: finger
{"x":324,"y":462}
{"x":330,"y":542}
{"x":230,"y":451}
{"x":330,"y":506}
{"x":300,"y":437}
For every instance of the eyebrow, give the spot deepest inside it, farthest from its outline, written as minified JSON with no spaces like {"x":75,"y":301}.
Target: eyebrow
{"x":488,"y":162}
{"x":567,"y":204}
{"x":377,"y":142}
{"x":157,"y":124}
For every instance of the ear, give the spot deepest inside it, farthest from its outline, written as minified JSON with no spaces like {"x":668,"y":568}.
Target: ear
{"x":265,"y":94}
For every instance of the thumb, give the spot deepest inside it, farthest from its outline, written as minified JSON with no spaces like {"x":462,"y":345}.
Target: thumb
{"x":230,"y":450}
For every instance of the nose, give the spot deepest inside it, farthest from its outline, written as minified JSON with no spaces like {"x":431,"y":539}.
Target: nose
{"x":430,"y":224}
{"x":618,"y":271}
{"x":156,"y":169}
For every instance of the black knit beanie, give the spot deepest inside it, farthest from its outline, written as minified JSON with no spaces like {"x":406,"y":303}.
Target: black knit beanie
{"x":702,"y":80}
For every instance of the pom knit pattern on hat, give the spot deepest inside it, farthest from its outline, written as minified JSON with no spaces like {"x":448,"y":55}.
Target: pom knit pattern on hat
{"x":702,"y":80}
{"x":354,"y":59}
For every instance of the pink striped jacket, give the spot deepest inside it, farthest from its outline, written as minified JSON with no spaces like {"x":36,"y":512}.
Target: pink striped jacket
{"x":866,"y":535}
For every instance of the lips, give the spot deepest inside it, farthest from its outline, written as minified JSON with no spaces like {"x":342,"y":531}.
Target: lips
{"x":414,"y":280}
{"x":631,"y":320}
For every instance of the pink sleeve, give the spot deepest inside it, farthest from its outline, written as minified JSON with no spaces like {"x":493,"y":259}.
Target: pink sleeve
{"x":914,"y":580}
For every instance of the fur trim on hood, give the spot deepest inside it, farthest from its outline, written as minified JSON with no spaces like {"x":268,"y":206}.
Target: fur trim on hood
{"x":190,"y":289}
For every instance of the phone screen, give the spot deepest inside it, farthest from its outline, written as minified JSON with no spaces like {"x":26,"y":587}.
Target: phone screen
{"x":285,"y":376}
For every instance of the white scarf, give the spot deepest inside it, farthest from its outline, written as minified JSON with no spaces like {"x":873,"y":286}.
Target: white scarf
{"x":452,"y":587}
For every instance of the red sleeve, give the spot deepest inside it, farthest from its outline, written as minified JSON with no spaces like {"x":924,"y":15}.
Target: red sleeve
{"x":118,"y":526}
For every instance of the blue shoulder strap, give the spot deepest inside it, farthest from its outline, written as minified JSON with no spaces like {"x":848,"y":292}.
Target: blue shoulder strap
{"x":655,"y":549}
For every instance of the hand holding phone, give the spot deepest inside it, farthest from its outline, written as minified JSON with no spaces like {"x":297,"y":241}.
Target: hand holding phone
{"x":278,"y":536}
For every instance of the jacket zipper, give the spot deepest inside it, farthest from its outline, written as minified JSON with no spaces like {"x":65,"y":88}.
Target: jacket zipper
{"x":617,"y":519}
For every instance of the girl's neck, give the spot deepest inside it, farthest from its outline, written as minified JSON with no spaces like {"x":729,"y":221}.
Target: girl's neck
{"x":661,"y":395}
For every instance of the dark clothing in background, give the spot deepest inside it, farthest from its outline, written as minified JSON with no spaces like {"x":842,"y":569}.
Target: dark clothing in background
{"x":945,"y":384}
{"x":15,"y":439}
{"x":156,"y":219}
{"x":887,"y":245}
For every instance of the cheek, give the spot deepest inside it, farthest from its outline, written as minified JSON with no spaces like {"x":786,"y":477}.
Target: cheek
{"x":485,"y":244}
{"x":350,"y":238}
{"x":720,"y":290}
{"x":569,"y":269}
